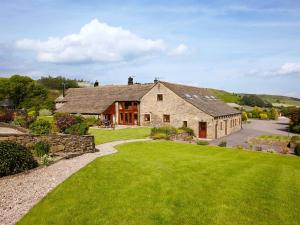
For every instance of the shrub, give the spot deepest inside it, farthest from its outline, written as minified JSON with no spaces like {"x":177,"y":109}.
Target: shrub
{"x":200,"y":142}
{"x":273,"y":114}
{"x":64,"y":120}
{"x":77,"y":129}
{"x":167,"y":130}
{"x":46,"y":160}
{"x":15,"y":158}
{"x":91,"y":121}
{"x":20,"y":121}
{"x":244,"y":116}
{"x":263,"y":116}
{"x":45,"y":112}
{"x":222,"y":144}
{"x":158,"y":136}
{"x":41,"y":148}
{"x":249,"y":114}
{"x":40,"y":127}
{"x":297,"y":149}
{"x":187,"y":130}
{"x":6,"y":116}
{"x":295,"y":129}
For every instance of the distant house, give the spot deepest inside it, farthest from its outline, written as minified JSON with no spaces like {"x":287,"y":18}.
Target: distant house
{"x":156,"y":104}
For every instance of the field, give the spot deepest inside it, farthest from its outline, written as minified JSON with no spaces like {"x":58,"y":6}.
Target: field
{"x":172,"y":183}
{"x":103,"y":136}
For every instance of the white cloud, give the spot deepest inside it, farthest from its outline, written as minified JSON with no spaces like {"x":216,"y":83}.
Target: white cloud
{"x":96,"y":42}
{"x":289,"y":69}
{"x":179,"y":50}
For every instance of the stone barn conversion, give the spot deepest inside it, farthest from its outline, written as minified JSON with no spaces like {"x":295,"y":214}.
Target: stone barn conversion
{"x":156,"y":104}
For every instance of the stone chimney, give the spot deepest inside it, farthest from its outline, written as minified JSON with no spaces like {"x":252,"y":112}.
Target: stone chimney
{"x":96,"y":84}
{"x":130,"y":80}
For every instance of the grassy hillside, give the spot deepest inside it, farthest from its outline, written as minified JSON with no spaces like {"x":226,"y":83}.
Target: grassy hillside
{"x":281,"y":99}
{"x":226,"y":96}
{"x":236,"y":98}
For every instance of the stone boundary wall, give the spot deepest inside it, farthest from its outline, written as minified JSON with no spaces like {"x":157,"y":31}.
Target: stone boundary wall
{"x":58,"y":143}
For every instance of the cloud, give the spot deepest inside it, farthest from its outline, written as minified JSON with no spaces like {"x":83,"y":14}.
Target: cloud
{"x":95,"y":42}
{"x":289,"y":69}
{"x":179,"y":50}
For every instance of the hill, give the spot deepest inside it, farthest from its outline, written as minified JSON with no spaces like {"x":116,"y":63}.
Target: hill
{"x":274,"y":99}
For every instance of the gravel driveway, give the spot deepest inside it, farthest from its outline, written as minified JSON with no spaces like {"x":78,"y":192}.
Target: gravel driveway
{"x":255,"y":128}
{"x":19,"y":193}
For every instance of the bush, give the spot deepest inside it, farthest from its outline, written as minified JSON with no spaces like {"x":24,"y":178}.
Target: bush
{"x":40,"y":127}
{"x":158,"y":136}
{"x":295,"y":129}
{"x":45,"y":112}
{"x":6,"y":116}
{"x":297,"y":149}
{"x":166,"y":130}
{"x":77,"y":129}
{"x":273,"y":114}
{"x":64,"y":120}
{"x":91,"y":121}
{"x":20,"y":121}
{"x":187,"y":130}
{"x":41,"y":148}
{"x":222,"y":144}
{"x":15,"y":158}
{"x":244,"y":116}
{"x":200,"y":142}
{"x":249,"y":115}
{"x":263,"y":116}
{"x":46,"y":160}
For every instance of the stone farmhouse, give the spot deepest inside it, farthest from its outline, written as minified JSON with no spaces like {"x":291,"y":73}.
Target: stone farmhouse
{"x":156,"y":104}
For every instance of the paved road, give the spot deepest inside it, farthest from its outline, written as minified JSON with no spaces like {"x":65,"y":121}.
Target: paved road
{"x":20,"y":192}
{"x":255,"y":128}
{"x":6,"y":130}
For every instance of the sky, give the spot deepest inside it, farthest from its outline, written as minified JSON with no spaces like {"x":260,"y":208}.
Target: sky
{"x":239,"y":46}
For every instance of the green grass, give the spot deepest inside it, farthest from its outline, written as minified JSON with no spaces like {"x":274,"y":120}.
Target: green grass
{"x":103,"y":136}
{"x":48,"y":118}
{"x":274,"y":137}
{"x":176,"y":184}
{"x":226,"y":96}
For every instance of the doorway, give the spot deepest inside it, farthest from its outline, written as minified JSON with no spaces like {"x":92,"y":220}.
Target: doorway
{"x":202,"y":129}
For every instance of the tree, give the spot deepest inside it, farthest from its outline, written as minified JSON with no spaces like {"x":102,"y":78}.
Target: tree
{"x":273,"y":114}
{"x":254,"y":100}
{"x":3,"y":88}
{"x":55,"y":83}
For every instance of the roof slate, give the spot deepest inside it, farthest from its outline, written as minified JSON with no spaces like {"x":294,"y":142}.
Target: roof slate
{"x":202,"y":98}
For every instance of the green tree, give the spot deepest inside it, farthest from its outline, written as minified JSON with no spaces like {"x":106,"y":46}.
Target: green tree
{"x":3,"y":88}
{"x":56,"y":82}
{"x":273,"y":114}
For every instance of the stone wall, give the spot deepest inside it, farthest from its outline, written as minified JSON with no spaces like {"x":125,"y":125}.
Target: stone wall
{"x":58,"y":143}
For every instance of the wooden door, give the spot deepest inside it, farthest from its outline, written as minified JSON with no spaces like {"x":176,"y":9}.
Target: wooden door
{"x":202,"y":129}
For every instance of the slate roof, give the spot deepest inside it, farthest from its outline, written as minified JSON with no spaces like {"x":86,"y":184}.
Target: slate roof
{"x":202,"y":98}
{"x":96,"y":100}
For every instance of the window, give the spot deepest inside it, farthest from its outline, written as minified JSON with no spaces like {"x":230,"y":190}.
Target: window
{"x":184,"y":124}
{"x":147,"y":117}
{"x":167,"y":118}
{"x":159,"y":97}
{"x":221,"y":126}
{"x":127,"y":105}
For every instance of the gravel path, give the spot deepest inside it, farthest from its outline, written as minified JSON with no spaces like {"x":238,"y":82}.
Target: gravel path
{"x":6,"y":130}
{"x":19,"y":193}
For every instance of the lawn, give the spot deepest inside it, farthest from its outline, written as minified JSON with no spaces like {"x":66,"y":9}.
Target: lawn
{"x":102,"y":136}
{"x":173,"y":183}
{"x":278,"y":138}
